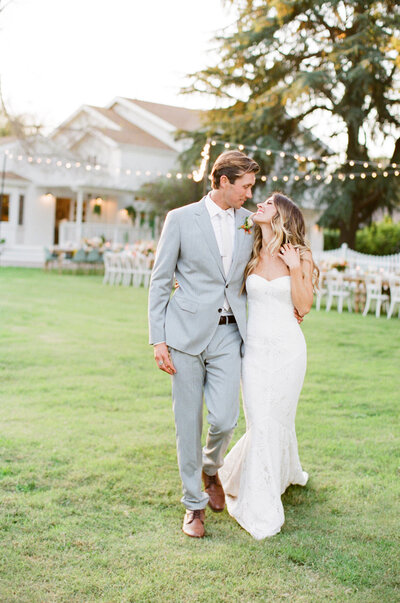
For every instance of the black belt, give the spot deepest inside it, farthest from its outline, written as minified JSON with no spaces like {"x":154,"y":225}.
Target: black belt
{"x":227,"y":320}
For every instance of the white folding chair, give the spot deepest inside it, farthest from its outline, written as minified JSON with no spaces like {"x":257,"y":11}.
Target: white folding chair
{"x":337,"y":289}
{"x":142,"y":271}
{"x":107,"y":267}
{"x":394,"y":284}
{"x":373,"y":285}
{"x":117,"y":268}
{"x":128,"y":268}
{"x":319,"y":294}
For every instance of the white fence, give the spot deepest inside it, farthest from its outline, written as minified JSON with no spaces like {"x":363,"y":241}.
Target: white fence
{"x":388,"y":263}
{"x":117,"y":233}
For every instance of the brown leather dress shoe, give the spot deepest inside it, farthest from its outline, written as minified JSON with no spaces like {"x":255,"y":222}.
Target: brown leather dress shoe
{"x":215,"y":491}
{"x":193,"y":523}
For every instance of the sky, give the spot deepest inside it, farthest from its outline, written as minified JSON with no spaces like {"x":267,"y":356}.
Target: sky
{"x":57,"y":55}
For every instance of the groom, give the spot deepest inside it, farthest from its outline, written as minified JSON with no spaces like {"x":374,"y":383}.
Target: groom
{"x":198,"y":331}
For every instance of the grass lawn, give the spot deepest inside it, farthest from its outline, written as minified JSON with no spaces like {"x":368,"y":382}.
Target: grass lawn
{"x":89,"y":484}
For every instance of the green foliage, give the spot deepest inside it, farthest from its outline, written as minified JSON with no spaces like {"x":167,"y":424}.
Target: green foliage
{"x":167,"y":193}
{"x":331,"y":239}
{"x":131,"y":212}
{"x":90,"y":487}
{"x":286,"y":68}
{"x":381,"y":238}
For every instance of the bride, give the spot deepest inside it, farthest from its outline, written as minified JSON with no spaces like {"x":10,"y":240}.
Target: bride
{"x":278,"y":279}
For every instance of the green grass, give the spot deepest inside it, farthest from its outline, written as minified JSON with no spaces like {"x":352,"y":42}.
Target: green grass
{"x":89,"y":484}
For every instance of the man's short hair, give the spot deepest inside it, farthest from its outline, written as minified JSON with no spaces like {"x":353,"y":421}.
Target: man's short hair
{"x":233,"y":165}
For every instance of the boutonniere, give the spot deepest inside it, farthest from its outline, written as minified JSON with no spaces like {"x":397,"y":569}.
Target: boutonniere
{"x":247,"y":224}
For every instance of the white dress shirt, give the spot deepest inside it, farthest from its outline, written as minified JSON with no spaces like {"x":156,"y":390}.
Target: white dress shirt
{"x":217,"y":216}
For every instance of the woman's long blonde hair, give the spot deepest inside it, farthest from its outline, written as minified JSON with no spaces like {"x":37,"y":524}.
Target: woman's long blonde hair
{"x":288,"y":227}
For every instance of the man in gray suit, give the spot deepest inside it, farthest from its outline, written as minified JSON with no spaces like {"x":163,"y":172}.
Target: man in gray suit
{"x":198,"y":332}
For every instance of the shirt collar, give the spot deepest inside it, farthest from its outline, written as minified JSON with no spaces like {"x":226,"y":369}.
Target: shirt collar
{"x":214,"y":209}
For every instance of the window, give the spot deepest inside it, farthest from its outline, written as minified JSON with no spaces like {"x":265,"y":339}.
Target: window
{"x":5,"y":206}
{"x":21,"y":210}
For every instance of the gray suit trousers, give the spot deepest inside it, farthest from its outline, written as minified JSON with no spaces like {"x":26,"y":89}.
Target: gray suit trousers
{"x":215,"y":373}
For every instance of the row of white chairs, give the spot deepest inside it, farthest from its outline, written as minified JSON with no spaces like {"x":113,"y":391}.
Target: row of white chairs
{"x":127,"y":269}
{"x":335,"y":288}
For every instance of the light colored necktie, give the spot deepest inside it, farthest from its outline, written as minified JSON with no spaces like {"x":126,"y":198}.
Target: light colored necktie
{"x":227,"y":243}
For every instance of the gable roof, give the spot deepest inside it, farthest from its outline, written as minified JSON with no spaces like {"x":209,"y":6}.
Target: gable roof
{"x":14,"y":176}
{"x":180,"y":117}
{"x":7,"y":139}
{"x":128,"y":133}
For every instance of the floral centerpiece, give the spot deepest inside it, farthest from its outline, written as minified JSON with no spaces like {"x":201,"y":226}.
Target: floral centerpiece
{"x":145,"y":247}
{"x":340,"y":265}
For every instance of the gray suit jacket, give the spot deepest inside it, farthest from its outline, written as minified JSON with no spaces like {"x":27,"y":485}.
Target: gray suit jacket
{"x":188,"y":250}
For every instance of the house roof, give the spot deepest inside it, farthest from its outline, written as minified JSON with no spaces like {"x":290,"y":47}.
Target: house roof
{"x":128,"y":132}
{"x":13,"y":176}
{"x":7,"y":139}
{"x":180,"y":117}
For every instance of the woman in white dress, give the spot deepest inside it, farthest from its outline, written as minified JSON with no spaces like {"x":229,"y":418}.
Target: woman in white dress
{"x":279,"y":280}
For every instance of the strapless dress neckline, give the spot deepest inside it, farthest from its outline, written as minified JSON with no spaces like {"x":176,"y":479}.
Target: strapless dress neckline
{"x":269,"y":280}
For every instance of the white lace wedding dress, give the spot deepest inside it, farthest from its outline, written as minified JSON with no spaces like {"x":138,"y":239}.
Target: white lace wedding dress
{"x":265,"y":461}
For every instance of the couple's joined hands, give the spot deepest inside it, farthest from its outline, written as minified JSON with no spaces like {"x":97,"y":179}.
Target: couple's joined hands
{"x":287,"y":253}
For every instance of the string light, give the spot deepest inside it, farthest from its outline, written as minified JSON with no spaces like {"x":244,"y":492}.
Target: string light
{"x":297,"y":157}
{"x":198,"y":175}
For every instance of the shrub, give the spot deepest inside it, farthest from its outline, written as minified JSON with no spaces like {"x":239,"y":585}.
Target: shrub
{"x":331,"y":239}
{"x":380,"y":238}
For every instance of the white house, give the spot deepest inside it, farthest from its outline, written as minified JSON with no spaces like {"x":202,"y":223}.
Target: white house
{"x":77,"y":182}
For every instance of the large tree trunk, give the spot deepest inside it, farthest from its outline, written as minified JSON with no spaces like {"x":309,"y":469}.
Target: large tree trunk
{"x":348,"y":232}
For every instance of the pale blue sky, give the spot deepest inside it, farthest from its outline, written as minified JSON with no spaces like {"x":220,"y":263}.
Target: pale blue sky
{"x":60,"y":54}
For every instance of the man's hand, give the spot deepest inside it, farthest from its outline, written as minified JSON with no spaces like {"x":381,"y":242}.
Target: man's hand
{"x":163,"y":359}
{"x":298,"y":317}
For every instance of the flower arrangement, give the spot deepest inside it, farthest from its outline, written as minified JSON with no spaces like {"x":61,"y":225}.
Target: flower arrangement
{"x":94,"y":242}
{"x":340,"y":265}
{"x":145,"y":247}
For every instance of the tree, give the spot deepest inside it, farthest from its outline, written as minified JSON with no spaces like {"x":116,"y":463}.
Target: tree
{"x":299,"y":73}
{"x":168,"y":193}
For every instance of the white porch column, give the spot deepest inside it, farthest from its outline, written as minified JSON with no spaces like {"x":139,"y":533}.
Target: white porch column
{"x":79,"y":212}
{"x":13,"y":217}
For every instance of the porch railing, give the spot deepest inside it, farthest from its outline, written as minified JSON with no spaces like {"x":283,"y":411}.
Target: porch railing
{"x":117,"y":233}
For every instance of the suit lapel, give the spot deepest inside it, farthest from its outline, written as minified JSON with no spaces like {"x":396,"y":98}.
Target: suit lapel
{"x":204,"y":221}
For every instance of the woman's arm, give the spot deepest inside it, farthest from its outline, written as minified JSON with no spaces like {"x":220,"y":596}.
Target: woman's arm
{"x":301,"y":281}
